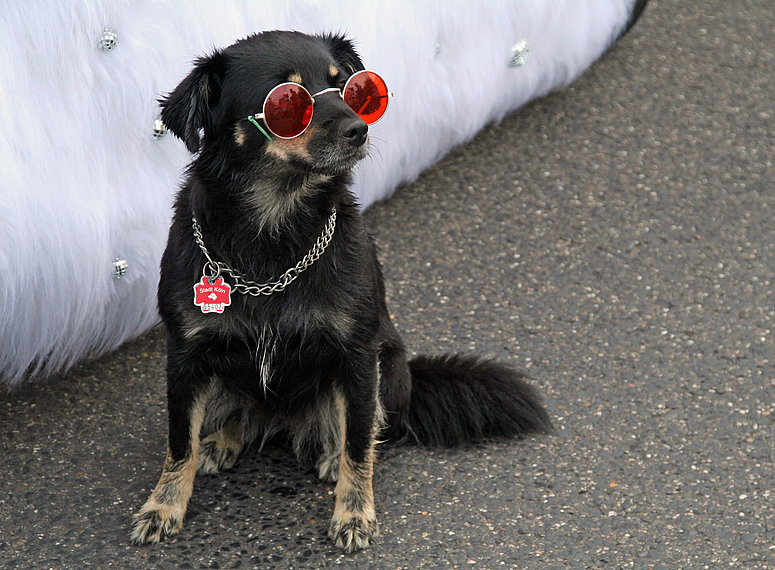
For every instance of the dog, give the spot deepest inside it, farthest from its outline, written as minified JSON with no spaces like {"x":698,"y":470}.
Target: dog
{"x":288,"y":330}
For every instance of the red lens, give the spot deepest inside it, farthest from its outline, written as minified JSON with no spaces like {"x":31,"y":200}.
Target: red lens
{"x":288,"y":110}
{"x":367,"y":94}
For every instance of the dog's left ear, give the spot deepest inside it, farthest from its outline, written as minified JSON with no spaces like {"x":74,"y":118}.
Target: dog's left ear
{"x":343,"y":51}
{"x":189,"y":107}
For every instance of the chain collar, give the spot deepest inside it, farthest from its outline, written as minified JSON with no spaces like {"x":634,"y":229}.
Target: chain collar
{"x":213,"y":269}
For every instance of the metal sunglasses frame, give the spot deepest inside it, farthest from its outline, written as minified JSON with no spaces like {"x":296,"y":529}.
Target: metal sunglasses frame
{"x":340,"y":90}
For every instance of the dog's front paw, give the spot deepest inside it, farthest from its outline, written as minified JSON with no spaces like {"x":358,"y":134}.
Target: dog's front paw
{"x":353,"y":531}
{"x":154,"y":522}
{"x":218,"y":452}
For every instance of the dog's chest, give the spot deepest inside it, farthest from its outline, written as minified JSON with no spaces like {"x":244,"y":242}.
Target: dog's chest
{"x":275,"y":348}
{"x":280,"y":369}
{"x":264,"y":355}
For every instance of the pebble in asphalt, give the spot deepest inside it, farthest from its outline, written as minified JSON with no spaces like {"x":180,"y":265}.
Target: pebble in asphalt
{"x":615,"y":240}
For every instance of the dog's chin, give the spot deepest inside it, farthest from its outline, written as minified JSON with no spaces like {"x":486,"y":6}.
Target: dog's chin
{"x":336,"y":169}
{"x":340,"y":161}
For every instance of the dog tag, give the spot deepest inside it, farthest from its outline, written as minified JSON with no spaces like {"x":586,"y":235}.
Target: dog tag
{"x":212,"y":297}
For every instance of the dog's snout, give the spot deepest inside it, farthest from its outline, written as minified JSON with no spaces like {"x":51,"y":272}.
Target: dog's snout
{"x":354,"y":131}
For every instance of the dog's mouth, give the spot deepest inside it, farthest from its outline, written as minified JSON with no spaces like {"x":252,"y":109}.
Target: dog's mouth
{"x":338,"y":159}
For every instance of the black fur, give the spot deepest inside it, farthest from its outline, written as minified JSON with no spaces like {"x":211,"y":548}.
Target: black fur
{"x":460,"y":399}
{"x":323,"y":352}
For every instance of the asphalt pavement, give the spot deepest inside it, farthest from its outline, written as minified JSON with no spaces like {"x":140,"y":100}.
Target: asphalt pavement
{"x":613,"y":239}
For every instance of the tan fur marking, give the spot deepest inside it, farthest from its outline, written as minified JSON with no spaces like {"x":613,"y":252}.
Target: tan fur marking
{"x":295,"y":77}
{"x":333,"y":71}
{"x":277,"y":149}
{"x":239,"y":135}
{"x":297,"y":146}
{"x":273,"y":207}
{"x":164,"y":511}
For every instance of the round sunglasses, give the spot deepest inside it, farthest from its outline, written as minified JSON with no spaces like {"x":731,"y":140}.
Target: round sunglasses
{"x":288,"y":108}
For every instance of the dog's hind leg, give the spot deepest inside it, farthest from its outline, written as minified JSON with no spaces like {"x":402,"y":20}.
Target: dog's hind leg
{"x":395,"y":384}
{"x":163,"y":513}
{"x":354,"y":522}
{"x":329,"y":440}
{"x":220,"y":450}
{"x":328,"y":462}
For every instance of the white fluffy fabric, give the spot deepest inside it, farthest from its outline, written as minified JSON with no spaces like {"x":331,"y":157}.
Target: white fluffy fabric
{"x":83,"y":181}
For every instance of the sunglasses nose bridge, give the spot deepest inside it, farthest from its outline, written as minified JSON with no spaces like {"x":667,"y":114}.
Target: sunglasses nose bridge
{"x":328,"y":90}
{"x":333,"y":110}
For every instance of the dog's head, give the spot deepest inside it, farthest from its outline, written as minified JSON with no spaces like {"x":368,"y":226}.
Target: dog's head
{"x":210,"y":108}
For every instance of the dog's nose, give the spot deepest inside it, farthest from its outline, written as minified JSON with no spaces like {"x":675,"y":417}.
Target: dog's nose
{"x":354,"y":131}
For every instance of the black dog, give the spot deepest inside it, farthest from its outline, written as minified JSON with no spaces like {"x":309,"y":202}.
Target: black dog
{"x":311,"y":351}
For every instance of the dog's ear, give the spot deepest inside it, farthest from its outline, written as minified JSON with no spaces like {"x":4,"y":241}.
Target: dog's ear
{"x":189,"y":107}
{"x":343,"y":51}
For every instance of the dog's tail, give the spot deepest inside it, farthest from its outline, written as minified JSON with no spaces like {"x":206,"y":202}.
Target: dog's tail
{"x":462,"y":399}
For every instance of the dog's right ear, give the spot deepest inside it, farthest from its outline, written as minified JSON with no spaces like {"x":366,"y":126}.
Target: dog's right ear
{"x":189,"y":107}
{"x":343,"y":51}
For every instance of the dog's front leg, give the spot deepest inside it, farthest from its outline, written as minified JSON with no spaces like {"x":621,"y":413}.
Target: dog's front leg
{"x":355,"y":520}
{"x":163,"y":513}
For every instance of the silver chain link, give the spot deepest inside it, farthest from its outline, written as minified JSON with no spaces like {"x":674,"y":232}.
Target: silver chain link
{"x":245,"y":287}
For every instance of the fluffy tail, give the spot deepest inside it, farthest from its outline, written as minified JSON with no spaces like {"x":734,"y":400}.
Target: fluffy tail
{"x":461,"y":399}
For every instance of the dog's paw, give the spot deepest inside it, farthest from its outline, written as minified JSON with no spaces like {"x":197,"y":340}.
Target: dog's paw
{"x":218,"y":452}
{"x":353,"y":531}
{"x":328,"y":467}
{"x":154,"y":522}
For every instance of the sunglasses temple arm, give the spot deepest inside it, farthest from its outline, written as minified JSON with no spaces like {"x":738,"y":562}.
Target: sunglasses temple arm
{"x":252,"y":119}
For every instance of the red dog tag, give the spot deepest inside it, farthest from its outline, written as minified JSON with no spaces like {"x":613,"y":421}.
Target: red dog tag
{"x":212,"y":297}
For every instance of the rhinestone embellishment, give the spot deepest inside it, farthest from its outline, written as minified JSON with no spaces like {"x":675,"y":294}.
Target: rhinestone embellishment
{"x":520,"y":53}
{"x":159,"y":129}
{"x":120,"y":267}
{"x":108,"y":39}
